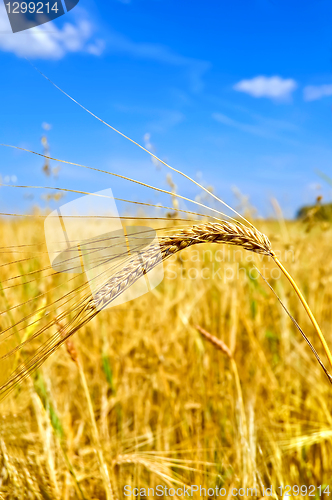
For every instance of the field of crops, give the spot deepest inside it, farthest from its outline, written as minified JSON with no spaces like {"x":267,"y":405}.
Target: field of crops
{"x":139,"y":398}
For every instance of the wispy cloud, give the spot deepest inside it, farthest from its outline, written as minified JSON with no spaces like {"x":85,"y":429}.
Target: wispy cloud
{"x":159,"y":119}
{"x":196,"y":68}
{"x":48,"y":41}
{"x":266,"y":122}
{"x":265,"y":128}
{"x":244,"y":127}
{"x":315,"y":92}
{"x":167,"y":119}
{"x":273,"y":87}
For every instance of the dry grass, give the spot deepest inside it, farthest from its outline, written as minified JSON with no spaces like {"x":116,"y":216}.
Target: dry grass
{"x":168,"y":407}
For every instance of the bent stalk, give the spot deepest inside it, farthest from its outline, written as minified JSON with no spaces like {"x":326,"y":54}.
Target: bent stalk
{"x":307,"y":308}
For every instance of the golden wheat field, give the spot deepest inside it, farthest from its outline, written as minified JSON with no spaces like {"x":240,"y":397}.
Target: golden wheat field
{"x":165,"y":250}
{"x":139,"y":398}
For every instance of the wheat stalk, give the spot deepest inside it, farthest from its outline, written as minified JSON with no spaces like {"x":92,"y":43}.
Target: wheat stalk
{"x":223,"y":232}
{"x":255,"y":233}
{"x":85,"y":310}
{"x":238,"y":233}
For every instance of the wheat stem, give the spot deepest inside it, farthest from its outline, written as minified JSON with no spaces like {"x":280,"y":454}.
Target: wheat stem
{"x":223,"y":232}
{"x":307,"y":308}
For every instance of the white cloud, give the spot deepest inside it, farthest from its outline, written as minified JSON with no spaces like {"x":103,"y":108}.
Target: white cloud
{"x":273,"y":87}
{"x":314,"y":92}
{"x":195,"y":68}
{"x":48,"y":41}
{"x":96,"y":48}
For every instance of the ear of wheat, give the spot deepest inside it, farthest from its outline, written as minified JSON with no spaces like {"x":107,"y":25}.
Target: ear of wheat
{"x":78,"y":312}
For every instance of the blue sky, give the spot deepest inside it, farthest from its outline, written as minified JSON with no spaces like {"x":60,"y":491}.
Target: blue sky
{"x":236,"y":94}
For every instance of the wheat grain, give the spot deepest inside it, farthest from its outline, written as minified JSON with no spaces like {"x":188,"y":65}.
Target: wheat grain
{"x":86,"y":309}
{"x":223,"y":232}
{"x":233,"y":233}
